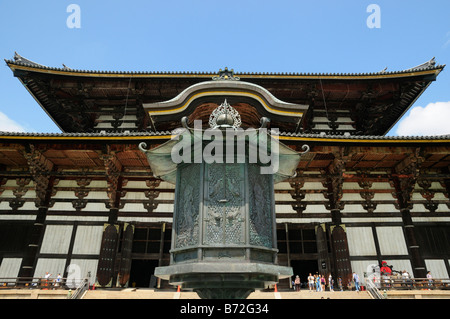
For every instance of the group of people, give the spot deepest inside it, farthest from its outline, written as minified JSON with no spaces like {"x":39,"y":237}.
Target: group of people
{"x":318,"y":283}
{"x":56,"y":282}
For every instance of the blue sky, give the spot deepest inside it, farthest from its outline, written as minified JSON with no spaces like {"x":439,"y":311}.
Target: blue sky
{"x":323,"y":36}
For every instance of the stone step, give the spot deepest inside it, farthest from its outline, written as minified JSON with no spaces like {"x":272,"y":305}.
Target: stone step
{"x":143,"y":293}
{"x":152,"y":294}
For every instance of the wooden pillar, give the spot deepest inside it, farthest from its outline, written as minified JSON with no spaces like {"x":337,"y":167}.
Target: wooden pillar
{"x":288,"y":251}
{"x":161,"y":251}
{"x":339,"y":262}
{"x":113,"y":169}
{"x":404,"y":179}
{"x":40,"y":169}
{"x":334,"y":180}
{"x":322,"y":250}
{"x":107,"y":259}
{"x":125,"y":254}
{"x":340,"y":253}
{"x":108,"y":266}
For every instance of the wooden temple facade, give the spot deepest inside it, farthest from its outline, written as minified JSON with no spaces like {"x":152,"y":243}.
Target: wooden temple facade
{"x":87,"y":196}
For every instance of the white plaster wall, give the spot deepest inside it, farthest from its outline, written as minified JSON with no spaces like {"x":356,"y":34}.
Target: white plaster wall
{"x":400,"y":265}
{"x":386,"y":208}
{"x":96,"y":195}
{"x":53,"y":266}
{"x":10,"y":267}
{"x":79,"y":268}
{"x":88,"y":240}
{"x":360,"y":267}
{"x":303,"y":220}
{"x":284,"y":209}
{"x":437,"y":268}
{"x":313,"y":185}
{"x":391,"y":241}
{"x":166,"y":196}
{"x":78,"y":218}
{"x":135,"y":207}
{"x":17,"y":217}
{"x":360,"y":241}
{"x":56,"y":239}
{"x":144,"y":219}
{"x":282,"y":186}
{"x":134,"y":196}
{"x":164,"y":208}
{"x":62,"y":206}
{"x":64,"y":194}
{"x":314,"y":197}
{"x":372,"y":220}
{"x":354,"y":208}
{"x":283,"y":197}
{"x":316,"y":209}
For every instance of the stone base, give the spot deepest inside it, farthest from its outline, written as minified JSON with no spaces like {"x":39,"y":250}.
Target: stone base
{"x":227,"y":293}
{"x":223,"y":280}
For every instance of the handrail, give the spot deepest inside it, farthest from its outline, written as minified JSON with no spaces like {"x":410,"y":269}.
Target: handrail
{"x":38,"y":283}
{"x":401,"y":283}
{"x":372,"y":289}
{"x":32,"y":282}
{"x":82,"y":287}
{"x":394,"y":282}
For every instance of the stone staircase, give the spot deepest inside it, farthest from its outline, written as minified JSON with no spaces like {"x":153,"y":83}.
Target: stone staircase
{"x":151,"y":294}
{"x":33,"y":294}
{"x":144,"y":293}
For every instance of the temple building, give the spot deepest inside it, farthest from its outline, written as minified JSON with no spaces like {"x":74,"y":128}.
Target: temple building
{"x":86,"y":200}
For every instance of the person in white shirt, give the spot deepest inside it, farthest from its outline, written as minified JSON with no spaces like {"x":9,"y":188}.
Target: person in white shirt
{"x":430,"y":280}
{"x":311,"y":282}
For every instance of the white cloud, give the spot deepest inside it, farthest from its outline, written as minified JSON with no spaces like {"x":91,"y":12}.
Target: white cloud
{"x":433,"y":119}
{"x":8,"y":125}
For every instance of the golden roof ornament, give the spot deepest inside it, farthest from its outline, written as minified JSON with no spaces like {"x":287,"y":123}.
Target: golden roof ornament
{"x":226,"y":75}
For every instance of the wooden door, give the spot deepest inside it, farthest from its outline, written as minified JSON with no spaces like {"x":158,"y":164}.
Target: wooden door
{"x":322,"y":250}
{"x":341,"y":254}
{"x":125,"y":259}
{"x":105,"y":269}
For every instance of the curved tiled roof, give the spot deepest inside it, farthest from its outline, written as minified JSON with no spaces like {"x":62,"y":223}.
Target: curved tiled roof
{"x":388,"y":93}
{"x":21,"y":61}
{"x":166,"y":134}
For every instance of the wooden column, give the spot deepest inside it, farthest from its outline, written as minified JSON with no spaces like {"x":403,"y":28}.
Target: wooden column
{"x":333,"y":182}
{"x":161,"y":251}
{"x":341,"y":254}
{"x":108,"y":269}
{"x":404,"y":179}
{"x":322,"y":250}
{"x":40,"y":169}
{"x":288,"y":251}
{"x":113,"y":169}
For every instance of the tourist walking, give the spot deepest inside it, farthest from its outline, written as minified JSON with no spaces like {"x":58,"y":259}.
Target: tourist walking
{"x":322,"y":283}
{"x":331,"y":282}
{"x":311,"y":282}
{"x":297,"y":283}
{"x":430,"y":280}
{"x":58,"y":280}
{"x":356,"y":280}
{"x":341,"y":288}
{"x":406,"y":279}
